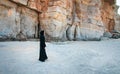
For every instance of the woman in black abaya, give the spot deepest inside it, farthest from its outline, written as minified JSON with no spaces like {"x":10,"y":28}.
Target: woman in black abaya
{"x":43,"y":55}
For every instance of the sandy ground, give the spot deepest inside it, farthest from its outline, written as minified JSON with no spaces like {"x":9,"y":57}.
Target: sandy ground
{"x":75,"y":57}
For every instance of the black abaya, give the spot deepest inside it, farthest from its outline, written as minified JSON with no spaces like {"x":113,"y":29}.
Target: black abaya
{"x":43,"y":55}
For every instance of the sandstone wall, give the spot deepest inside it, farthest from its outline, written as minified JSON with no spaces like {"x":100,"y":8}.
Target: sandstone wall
{"x":117,"y":20}
{"x":15,"y":18}
{"x":73,"y":19}
{"x":20,"y":16}
{"x":37,"y":5}
{"x":61,"y":19}
{"x":87,"y":20}
{"x":108,"y":14}
{"x":54,"y":20}
{"x":8,"y":15}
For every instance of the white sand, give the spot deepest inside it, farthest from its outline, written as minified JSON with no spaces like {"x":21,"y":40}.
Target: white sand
{"x":79,"y":57}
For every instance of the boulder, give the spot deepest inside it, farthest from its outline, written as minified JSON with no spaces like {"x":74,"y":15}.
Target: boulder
{"x":21,"y":37}
{"x":107,"y":34}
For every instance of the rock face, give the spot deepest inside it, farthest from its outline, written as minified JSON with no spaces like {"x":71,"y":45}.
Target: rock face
{"x":37,"y":5}
{"x":19,"y":16}
{"x":117,"y":20}
{"x":74,"y":19}
{"x":108,"y":13}
{"x":14,"y":19}
{"x":117,"y":23}
{"x":61,"y":19}
{"x":8,"y":16}
{"x":88,"y":18}
{"x":54,"y":20}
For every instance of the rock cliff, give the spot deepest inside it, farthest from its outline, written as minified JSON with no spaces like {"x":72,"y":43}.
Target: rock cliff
{"x":117,"y":20}
{"x":20,"y":15}
{"x":61,"y":19}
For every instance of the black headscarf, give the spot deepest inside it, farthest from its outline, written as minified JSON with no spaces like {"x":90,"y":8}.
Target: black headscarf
{"x":42,"y":32}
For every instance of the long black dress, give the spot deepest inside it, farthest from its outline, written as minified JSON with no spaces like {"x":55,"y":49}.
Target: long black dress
{"x":43,"y":55}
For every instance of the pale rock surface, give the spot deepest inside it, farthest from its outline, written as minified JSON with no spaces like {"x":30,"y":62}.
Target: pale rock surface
{"x":54,"y":20}
{"x":37,"y":5}
{"x":81,"y":18}
{"x":24,"y":2}
{"x":61,"y":19}
{"x":14,"y":19}
{"x":87,"y":15}
{"x":117,"y":20}
{"x":8,"y":14}
{"x":28,"y":21}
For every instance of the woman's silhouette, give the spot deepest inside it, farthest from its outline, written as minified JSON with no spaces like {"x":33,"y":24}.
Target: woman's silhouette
{"x":43,"y":55}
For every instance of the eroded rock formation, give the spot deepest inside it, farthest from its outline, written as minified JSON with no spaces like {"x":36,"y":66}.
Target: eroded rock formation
{"x":61,"y":19}
{"x":19,"y":15}
{"x":78,"y":19}
{"x":117,"y":20}
{"x":108,"y":14}
{"x":54,"y":20}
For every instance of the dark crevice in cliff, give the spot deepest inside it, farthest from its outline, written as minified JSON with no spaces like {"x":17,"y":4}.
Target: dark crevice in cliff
{"x":111,"y":2}
{"x":38,"y":27}
{"x":27,"y":2}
